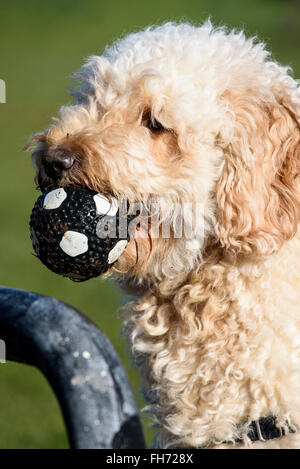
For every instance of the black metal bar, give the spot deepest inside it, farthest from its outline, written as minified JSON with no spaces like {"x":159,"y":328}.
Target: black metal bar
{"x":80,"y":364}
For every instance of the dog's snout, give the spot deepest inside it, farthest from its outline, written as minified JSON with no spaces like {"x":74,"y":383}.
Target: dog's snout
{"x":57,"y":162}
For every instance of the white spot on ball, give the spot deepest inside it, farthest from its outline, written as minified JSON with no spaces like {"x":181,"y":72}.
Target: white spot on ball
{"x":116,"y":252}
{"x":54,"y":199}
{"x":74,"y":243}
{"x":86,"y":355}
{"x":104,"y":206}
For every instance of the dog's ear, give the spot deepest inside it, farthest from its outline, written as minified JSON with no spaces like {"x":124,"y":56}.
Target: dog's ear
{"x":258,"y":191}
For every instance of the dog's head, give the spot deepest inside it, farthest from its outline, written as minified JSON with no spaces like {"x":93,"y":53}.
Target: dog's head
{"x":196,"y":122}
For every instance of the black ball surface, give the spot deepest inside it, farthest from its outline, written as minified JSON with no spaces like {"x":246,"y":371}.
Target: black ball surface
{"x":77,"y":232}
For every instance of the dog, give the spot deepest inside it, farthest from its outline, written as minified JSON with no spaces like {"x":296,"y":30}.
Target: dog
{"x":202,"y":123}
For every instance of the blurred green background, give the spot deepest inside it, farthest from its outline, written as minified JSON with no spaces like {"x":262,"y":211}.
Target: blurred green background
{"x":41,"y":45}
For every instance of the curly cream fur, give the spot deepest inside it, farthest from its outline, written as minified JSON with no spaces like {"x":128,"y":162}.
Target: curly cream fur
{"x":223,"y":349}
{"x":216,"y":330}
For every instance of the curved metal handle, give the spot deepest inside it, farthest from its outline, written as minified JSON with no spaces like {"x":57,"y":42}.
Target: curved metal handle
{"x":80,"y":364}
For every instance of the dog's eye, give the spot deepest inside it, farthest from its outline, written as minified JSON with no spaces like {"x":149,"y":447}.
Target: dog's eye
{"x":152,"y":124}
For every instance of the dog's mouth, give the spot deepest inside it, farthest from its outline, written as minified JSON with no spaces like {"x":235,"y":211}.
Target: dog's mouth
{"x":48,"y":178}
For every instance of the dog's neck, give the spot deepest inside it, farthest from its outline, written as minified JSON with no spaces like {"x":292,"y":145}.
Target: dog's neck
{"x":223,"y":349}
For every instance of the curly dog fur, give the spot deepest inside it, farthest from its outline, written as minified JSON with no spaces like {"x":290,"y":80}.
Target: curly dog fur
{"x":179,"y":114}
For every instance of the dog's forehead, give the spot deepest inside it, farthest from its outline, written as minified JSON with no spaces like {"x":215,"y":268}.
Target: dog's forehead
{"x":158,"y":61}
{"x":152,"y":84}
{"x":174,"y":59}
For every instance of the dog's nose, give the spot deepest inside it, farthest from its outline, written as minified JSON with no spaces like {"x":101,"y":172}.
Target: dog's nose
{"x":57,"y":162}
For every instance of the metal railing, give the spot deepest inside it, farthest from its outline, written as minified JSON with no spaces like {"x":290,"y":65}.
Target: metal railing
{"x":80,"y":364}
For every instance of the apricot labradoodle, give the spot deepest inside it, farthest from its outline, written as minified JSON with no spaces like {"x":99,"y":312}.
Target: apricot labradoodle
{"x":204,"y":119}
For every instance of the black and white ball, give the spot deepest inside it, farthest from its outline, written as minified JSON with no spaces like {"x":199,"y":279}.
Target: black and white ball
{"x":77,"y":232}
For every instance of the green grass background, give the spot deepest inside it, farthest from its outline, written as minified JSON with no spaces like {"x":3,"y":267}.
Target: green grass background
{"x":41,"y":44}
